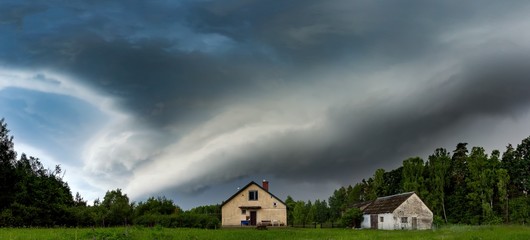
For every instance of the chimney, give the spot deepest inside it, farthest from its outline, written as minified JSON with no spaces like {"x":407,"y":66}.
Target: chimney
{"x":266,"y":185}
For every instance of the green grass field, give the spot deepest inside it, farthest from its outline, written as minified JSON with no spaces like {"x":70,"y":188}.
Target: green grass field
{"x":450,"y":232}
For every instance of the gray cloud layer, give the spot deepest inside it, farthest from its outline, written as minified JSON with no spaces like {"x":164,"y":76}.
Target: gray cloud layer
{"x":300,"y":90}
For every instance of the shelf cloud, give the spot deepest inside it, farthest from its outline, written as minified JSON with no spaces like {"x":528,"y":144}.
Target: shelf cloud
{"x":176,"y":98}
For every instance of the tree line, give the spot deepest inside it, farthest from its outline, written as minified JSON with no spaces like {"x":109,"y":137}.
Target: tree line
{"x":463,"y":186}
{"x":32,"y":195}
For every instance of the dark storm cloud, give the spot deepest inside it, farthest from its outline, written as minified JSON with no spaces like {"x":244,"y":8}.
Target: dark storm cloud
{"x":12,"y":12}
{"x":138,"y":61}
{"x":193,"y":65}
{"x":383,"y":132}
{"x":315,"y":32}
{"x":123,"y":49}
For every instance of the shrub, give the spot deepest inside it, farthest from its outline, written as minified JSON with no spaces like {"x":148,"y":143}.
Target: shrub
{"x":352,"y":218}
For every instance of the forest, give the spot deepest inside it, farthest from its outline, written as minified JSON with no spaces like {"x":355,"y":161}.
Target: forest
{"x":463,"y":186}
{"x":460,"y":187}
{"x":35,"y":196}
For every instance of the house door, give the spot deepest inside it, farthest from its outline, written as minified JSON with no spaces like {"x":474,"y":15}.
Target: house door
{"x":373,"y":221}
{"x":253,"y":217}
{"x":414,"y":223}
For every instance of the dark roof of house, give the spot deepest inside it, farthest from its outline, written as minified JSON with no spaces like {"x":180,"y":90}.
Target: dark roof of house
{"x":246,"y":186}
{"x":386,"y":204}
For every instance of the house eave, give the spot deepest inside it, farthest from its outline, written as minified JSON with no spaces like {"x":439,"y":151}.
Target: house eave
{"x":250,"y":207}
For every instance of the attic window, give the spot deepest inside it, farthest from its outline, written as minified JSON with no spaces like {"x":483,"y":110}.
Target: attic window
{"x":253,"y":195}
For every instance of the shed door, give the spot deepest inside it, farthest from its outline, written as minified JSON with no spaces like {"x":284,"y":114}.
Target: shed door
{"x":373,"y":221}
{"x":414,"y":223}
{"x":253,"y":218}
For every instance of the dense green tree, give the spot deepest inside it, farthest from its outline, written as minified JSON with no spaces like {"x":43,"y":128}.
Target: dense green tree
{"x":503,"y":180}
{"x":378,"y":185}
{"x":81,"y":215}
{"x":321,"y":211}
{"x":481,"y":183}
{"x":438,"y":175}
{"x":98,"y":213}
{"x":290,"y":207}
{"x":413,"y":180}
{"x":299,"y":213}
{"x":310,"y":212}
{"x":457,"y":207}
{"x":393,"y":181}
{"x":520,"y":210}
{"x":337,"y":203}
{"x":7,"y":159}
{"x":510,"y":163}
{"x":521,"y":177}
{"x":42,"y":198}
{"x":354,"y":194}
{"x":119,"y":210}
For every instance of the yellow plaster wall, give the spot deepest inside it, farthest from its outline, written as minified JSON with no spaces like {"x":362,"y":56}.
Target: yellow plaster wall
{"x":232,"y":216}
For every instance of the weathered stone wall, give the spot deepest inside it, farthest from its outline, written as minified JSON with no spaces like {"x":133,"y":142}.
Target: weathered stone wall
{"x":413,"y":207}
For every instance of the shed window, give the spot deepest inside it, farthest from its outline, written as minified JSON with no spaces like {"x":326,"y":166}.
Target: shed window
{"x":404,"y":220}
{"x":253,"y":195}
{"x":381,"y":219}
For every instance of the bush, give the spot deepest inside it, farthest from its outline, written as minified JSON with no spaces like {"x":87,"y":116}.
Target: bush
{"x":438,"y":221}
{"x":352,"y":218}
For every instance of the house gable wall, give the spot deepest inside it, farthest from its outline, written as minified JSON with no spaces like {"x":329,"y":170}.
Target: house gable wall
{"x":232,"y":214}
{"x":414,"y":207}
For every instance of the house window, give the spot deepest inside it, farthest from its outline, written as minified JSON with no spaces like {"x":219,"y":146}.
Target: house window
{"x":381,"y":219}
{"x":253,"y":195}
{"x":243,"y":211}
{"x":404,"y":220}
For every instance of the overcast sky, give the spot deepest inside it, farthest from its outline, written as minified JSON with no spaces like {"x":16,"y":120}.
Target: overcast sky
{"x":192,"y":99}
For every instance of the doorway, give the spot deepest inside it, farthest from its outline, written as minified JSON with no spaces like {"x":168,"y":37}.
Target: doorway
{"x":253,"y":217}
{"x":373,"y":221}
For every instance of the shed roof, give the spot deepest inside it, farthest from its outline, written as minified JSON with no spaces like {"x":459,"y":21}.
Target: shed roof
{"x":387,"y":204}
{"x":362,"y":205}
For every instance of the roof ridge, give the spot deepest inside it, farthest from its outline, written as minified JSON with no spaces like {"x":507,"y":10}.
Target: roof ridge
{"x":398,"y":194}
{"x":246,"y":186}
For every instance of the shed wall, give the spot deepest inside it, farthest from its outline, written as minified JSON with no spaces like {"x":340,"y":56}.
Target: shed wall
{"x":413,"y":207}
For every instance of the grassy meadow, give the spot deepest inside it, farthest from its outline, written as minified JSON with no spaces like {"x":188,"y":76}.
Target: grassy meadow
{"x":449,"y":232}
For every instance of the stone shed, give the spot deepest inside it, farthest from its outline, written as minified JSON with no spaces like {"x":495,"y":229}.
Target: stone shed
{"x":400,"y":211}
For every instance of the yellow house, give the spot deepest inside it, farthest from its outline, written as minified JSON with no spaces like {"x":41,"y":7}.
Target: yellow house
{"x":254,"y":205}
